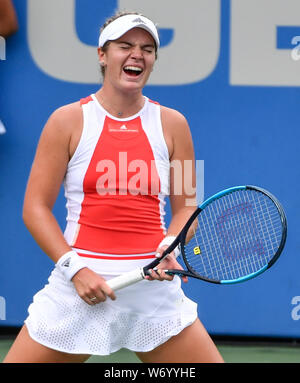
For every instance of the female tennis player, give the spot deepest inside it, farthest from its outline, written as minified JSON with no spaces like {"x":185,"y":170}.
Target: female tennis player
{"x":113,"y":151}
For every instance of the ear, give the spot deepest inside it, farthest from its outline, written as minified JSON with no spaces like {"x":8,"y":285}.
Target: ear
{"x":101,"y":56}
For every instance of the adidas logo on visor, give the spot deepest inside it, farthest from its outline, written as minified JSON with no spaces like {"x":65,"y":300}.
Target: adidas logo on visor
{"x":138,"y":20}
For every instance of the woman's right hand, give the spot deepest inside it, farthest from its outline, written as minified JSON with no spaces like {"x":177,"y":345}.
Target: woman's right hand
{"x":91,"y":287}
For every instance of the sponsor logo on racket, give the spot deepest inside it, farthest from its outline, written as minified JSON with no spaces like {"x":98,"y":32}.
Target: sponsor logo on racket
{"x":197,"y":250}
{"x":227,"y":224}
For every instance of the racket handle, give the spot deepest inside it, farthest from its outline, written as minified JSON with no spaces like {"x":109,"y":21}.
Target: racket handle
{"x":126,"y":279}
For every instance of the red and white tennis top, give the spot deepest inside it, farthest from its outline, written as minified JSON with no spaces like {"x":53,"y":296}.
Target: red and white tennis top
{"x":116,"y":182}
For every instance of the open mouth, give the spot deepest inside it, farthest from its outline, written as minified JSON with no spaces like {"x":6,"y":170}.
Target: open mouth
{"x":132,"y":70}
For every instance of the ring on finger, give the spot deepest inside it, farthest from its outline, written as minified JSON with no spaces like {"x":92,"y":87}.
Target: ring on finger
{"x":93,"y":299}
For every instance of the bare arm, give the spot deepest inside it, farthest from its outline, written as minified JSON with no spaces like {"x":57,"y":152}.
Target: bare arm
{"x":8,"y":18}
{"x":43,"y":186}
{"x":182,"y":179}
{"x":54,"y":150}
{"x":182,"y":175}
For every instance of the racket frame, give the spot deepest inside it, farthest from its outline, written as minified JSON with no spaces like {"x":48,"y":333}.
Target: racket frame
{"x":139,"y":274}
{"x":182,"y":237}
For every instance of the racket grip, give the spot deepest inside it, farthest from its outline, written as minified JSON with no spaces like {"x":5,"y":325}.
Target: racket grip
{"x":126,"y":279}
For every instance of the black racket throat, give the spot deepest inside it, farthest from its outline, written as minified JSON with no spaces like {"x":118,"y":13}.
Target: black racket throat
{"x":178,"y":241}
{"x":181,"y":273}
{"x":169,"y":250}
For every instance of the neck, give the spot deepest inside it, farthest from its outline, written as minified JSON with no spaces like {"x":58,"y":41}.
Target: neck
{"x":118,"y":104}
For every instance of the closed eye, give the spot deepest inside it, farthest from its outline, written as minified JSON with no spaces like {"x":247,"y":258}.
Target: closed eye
{"x":125,"y":46}
{"x":149,"y":48}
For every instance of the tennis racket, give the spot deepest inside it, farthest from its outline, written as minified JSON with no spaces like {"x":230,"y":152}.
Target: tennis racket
{"x":231,"y":237}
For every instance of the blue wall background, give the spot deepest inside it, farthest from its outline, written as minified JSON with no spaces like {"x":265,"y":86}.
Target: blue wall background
{"x":245,"y":135}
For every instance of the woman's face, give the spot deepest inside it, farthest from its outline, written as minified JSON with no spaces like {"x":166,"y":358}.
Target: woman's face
{"x":129,"y":60}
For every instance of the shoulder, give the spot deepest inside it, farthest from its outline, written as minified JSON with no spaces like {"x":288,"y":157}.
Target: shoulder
{"x":65,"y":120}
{"x":67,"y":114}
{"x":170,"y":115}
{"x":176,"y":131}
{"x":174,"y":123}
{"x":62,"y":128}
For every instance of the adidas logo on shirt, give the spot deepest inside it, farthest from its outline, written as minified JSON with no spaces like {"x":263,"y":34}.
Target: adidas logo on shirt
{"x":122,"y":128}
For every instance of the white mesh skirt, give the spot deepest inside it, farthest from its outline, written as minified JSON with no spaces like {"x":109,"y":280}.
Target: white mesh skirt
{"x":142,"y":317}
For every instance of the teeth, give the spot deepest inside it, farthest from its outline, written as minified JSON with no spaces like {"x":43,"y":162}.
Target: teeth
{"x":133,"y":68}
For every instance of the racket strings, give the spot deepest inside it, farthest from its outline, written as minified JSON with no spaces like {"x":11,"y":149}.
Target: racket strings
{"x":236,"y":235}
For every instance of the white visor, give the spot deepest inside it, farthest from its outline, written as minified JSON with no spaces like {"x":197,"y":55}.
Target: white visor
{"x":123,"y":24}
